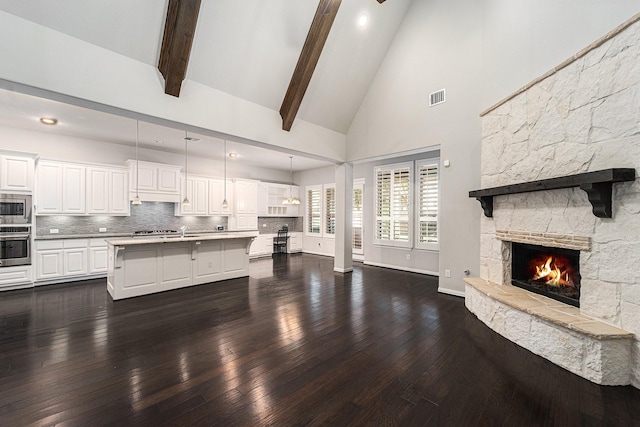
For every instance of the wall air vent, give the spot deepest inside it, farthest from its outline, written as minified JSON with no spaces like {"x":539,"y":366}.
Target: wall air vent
{"x":437,"y":98}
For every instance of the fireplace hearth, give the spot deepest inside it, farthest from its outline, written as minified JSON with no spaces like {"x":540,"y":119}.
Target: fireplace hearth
{"x":552,"y":272}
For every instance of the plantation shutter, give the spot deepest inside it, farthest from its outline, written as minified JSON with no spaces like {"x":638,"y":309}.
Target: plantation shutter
{"x":400,"y":197}
{"x":428,"y":203}
{"x":330,"y":211}
{"x":383,"y":205}
{"x":357,"y":218}
{"x":314,"y":211}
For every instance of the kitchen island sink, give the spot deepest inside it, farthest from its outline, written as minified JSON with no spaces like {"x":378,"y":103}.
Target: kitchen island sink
{"x":145,"y":265}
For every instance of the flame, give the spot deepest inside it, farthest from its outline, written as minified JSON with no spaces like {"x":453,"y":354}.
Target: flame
{"x":552,"y":274}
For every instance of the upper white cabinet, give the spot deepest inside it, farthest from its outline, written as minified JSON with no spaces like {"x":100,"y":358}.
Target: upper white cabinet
{"x":246,"y":196}
{"x":196,"y":189}
{"x":16,"y":173}
{"x":245,"y":215}
{"x":61,"y":188}
{"x":271,"y":197}
{"x":217,"y":195}
{"x":76,"y":189}
{"x":107,"y":191}
{"x":155,"y":182}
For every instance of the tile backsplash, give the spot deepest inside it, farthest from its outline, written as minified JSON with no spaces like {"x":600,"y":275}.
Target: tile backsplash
{"x":147,"y":216}
{"x":271,"y":225}
{"x":150,"y":216}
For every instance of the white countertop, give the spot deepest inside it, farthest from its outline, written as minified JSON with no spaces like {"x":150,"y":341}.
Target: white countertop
{"x":188,"y":238}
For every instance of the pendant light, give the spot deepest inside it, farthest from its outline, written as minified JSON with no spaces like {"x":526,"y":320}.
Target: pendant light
{"x":291,"y":200}
{"x":225,"y":205}
{"x":136,"y":200}
{"x":185,"y":202}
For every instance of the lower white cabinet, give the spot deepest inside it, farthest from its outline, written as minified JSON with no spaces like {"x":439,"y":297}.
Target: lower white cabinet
{"x":64,"y":259}
{"x":295,"y":243}
{"x":15,"y":277}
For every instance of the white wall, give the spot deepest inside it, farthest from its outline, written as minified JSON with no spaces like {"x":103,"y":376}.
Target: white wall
{"x":480,"y":52}
{"x":58,"y":147}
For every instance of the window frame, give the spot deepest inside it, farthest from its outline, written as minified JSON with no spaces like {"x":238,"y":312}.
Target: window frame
{"x":393,"y":168}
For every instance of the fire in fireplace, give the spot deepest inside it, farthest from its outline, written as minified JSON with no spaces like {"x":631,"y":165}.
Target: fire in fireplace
{"x":552,"y":272}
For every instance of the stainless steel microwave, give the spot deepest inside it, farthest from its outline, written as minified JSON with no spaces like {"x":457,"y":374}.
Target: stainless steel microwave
{"x":15,"y":209}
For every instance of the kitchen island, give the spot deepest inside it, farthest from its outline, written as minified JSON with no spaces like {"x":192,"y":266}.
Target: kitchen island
{"x":145,"y":265}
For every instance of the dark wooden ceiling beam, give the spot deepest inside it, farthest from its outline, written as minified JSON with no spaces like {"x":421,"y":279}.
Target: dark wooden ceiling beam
{"x":311,"y":50}
{"x":179,"y":29}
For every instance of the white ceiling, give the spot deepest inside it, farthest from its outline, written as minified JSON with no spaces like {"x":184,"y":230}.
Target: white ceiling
{"x":22,"y":111}
{"x":247,"y":48}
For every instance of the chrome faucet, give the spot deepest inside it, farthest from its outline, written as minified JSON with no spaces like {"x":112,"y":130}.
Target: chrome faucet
{"x":183,"y":228}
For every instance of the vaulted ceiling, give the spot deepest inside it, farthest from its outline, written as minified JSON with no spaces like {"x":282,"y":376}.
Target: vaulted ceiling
{"x":247,"y":48}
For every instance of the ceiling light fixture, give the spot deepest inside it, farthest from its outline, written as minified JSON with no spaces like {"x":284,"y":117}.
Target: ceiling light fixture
{"x":185,"y":202}
{"x":233,"y":155}
{"x":291,"y":200}
{"x":136,"y":200}
{"x":225,"y":205}
{"x":48,"y":121}
{"x":363,"y":20}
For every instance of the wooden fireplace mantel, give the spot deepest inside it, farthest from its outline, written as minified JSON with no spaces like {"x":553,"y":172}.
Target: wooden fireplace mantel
{"x":597,"y":184}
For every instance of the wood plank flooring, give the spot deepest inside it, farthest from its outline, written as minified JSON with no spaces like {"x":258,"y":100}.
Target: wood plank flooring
{"x":294,"y":344}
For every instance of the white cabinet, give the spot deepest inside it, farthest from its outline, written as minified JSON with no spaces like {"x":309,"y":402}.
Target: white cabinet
{"x":48,"y":195}
{"x":155,"y":182}
{"x":97,"y":256}
{"x":295,"y":242}
{"x":16,"y":173}
{"x":61,"y":188}
{"x":196,"y":189}
{"x":245,"y":215}
{"x":76,"y":189}
{"x":271,"y":197}
{"x":61,"y":260}
{"x":217,"y":195}
{"x":73,"y":189}
{"x":107,"y":191}
{"x":262,"y":245}
{"x":246,"y":196}
{"x":17,"y":277}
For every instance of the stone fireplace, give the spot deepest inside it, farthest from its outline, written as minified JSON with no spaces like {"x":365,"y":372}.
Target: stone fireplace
{"x":580,"y":117}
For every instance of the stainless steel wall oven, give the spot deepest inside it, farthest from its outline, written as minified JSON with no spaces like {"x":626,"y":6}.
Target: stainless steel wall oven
{"x":15,"y":209}
{"x":15,"y":246}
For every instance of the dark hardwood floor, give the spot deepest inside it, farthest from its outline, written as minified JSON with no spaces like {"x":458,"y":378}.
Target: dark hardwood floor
{"x":294,"y":344}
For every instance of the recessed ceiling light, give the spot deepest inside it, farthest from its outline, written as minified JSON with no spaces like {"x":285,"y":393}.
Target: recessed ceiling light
{"x":48,"y":120}
{"x":233,"y":155}
{"x":363,"y":20}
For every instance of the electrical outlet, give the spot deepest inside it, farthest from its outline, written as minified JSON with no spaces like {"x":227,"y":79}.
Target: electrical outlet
{"x":102,"y":229}
{"x":210,"y":264}
{"x":264,"y":225}
{"x":54,"y":231}
{"x":447,"y":273}
{"x":408,"y":256}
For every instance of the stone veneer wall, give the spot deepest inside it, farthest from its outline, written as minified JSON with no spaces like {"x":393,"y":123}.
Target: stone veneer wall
{"x":583,"y":116}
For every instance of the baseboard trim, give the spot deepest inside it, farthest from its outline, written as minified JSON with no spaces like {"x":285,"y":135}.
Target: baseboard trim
{"x":395,"y":267}
{"x":343,"y":270}
{"x":451,"y":292}
{"x":318,"y":253}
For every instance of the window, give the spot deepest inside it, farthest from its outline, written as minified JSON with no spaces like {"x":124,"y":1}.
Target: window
{"x":397,"y":215}
{"x":330,"y":210}
{"x":314,"y":210}
{"x":427,"y":199}
{"x":393,"y":204}
{"x":358,"y":194}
